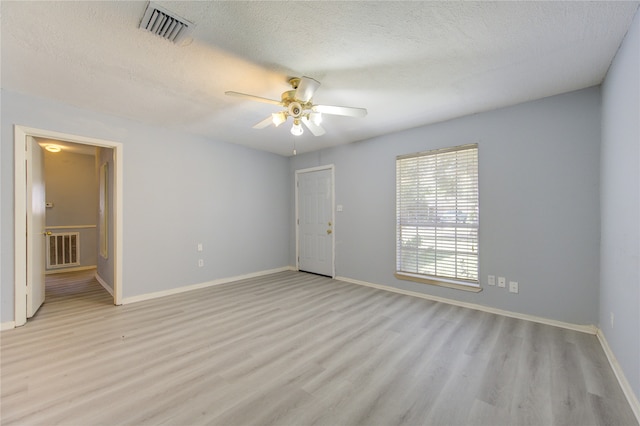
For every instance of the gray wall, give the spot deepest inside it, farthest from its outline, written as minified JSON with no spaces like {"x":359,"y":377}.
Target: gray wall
{"x":179,"y":190}
{"x":539,"y":204}
{"x":620,"y":206}
{"x":71,"y":183}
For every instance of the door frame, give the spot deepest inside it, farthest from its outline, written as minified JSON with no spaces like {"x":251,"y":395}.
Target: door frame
{"x":20,"y":211}
{"x":330,"y":167}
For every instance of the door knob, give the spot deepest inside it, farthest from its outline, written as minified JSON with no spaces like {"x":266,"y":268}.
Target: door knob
{"x":46,"y":233}
{"x":328,"y":231}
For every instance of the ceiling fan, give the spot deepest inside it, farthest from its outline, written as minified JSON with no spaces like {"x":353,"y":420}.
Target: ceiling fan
{"x":297,"y":104}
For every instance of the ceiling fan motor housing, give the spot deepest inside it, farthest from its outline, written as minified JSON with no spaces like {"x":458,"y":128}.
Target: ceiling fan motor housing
{"x":295,"y":109}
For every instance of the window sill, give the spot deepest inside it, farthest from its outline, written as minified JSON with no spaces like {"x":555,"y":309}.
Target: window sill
{"x":434,"y":281}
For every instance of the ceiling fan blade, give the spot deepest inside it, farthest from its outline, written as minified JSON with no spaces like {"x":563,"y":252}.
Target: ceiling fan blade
{"x":279,"y":118}
{"x":314,"y":128}
{"x":306,"y":89}
{"x":254,"y":98}
{"x":340,"y":110}
{"x":264,"y":123}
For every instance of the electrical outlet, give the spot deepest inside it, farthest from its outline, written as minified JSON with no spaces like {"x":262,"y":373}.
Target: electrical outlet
{"x":200,"y":263}
{"x":513,"y":286}
{"x":492,"y":280}
{"x":199,"y":246}
{"x":502,"y":281}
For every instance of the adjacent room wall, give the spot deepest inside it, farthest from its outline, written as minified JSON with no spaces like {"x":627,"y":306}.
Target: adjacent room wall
{"x":539,"y":204}
{"x":71,"y":182}
{"x":620,"y":207}
{"x":179,"y":190}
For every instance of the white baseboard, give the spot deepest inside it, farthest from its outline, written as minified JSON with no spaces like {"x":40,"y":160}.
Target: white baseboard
{"x":103,"y":283}
{"x":177,"y":290}
{"x":590,"y":329}
{"x":63,"y":270}
{"x":617,"y":370}
{"x":7,"y":325}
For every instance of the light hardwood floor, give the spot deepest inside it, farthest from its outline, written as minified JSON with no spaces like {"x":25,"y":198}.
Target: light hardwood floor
{"x":296,"y":349}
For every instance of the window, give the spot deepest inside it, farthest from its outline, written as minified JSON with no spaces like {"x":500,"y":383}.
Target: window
{"x":437,"y":217}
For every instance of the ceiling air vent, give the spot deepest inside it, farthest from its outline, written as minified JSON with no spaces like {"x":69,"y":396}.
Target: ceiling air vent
{"x":165,"y":23}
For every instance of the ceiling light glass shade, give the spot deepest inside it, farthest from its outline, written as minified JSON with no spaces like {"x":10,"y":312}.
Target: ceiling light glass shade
{"x":278,"y":118}
{"x":316,"y":118}
{"x":296,"y":130}
{"x":53,"y":148}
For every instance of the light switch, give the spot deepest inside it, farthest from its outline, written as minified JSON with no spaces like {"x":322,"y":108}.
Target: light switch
{"x":502,"y":282}
{"x":339,"y":208}
{"x":492,"y":280}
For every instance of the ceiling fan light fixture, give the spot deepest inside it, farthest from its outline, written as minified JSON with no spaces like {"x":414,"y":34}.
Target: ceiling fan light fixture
{"x":296,"y":129}
{"x":278,"y":118}
{"x":298,"y":105}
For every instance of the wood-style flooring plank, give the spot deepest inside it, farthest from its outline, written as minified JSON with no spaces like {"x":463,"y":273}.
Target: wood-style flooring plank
{"x":295,"y":349}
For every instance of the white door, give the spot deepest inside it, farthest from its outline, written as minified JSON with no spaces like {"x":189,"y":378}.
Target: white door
{"x":36,"y":232}
{"x":315,"y":221}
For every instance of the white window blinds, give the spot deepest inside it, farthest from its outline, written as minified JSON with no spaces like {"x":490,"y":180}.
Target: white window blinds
{"x":437,"y":214}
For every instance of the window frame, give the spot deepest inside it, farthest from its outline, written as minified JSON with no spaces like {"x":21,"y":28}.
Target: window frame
{"x":416,"y":211}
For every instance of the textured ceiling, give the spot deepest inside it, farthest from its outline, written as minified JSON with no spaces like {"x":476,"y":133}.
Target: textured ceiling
{"x":408,"y":63}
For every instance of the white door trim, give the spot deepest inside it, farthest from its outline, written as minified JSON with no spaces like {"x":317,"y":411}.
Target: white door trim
{"x":20,"y":211}
{"x":333,"y":214}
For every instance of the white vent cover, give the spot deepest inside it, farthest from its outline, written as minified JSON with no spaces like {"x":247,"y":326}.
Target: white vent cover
{"x":165,"y":23}
{"x":63,"y":250}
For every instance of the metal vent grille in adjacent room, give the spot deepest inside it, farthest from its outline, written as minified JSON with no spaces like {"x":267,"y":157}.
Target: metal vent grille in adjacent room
{"x":165,"y":24}
{"x":63,"y":250}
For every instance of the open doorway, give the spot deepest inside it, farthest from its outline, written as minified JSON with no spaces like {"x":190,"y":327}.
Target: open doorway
{"x":78,"y":218}
{"x":30,"y":252}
